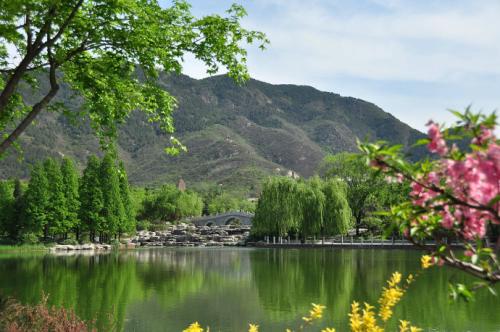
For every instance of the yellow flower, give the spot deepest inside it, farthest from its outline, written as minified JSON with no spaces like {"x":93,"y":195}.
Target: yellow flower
{"x":195,"y":327}
{"x":253,"y":328}
{"x":363,"y":323}
{"x":395,"y":279}
{"x":390,"y":296}
{"x":328,"y":329}
{"x":410,"y":279}
{"x":426,"y":261}
{"x":315,"y":313}
{"x":404,"y":326}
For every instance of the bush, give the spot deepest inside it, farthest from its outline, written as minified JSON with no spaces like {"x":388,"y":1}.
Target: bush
{"x":157,"y":227}
{"x":30,"y":238}
{"x":15,"y":316}
{"x":143,"y":225}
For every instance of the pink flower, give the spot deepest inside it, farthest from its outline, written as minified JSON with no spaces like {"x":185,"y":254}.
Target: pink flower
{"x":437,"y":143}
{"x":485,"y":135}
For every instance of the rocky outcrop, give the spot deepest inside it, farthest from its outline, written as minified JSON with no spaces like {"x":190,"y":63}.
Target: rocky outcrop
{"x":85,"y":246}
{"x":186,"y":235}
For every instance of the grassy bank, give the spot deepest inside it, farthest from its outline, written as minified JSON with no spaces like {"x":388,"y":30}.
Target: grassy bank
{"x":23,"y":247}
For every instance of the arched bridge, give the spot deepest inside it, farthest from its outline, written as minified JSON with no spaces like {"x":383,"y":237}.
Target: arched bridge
{"x":227,"y":218}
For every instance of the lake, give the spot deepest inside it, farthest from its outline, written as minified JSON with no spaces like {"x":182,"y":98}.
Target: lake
{"x":226,"y":288}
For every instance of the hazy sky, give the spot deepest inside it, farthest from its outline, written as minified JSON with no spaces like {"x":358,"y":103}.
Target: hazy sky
{"x":415,"y":59}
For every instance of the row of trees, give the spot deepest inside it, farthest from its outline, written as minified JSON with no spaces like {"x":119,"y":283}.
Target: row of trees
{"x":313,"y":207}
{"x":57,"y":202}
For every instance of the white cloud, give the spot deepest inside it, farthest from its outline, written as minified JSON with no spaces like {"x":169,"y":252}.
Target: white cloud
{"x":443,"y":53}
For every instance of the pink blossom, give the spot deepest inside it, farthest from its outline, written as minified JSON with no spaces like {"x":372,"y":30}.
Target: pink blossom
{"x":437,"y":143}
{"x":485,"y":135}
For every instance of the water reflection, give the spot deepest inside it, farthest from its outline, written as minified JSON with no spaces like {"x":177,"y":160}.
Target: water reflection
{"x":165,"y":289}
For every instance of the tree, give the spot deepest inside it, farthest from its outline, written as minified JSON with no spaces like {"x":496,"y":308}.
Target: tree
{"x":6,"y":209}
{"x":363,"y":183}
{"x":278,"y":210}
{"x":336,"y":213}
{"x":101,"y":48}
{"x":37,"y":201}
{"x":91,"y":200}
{"x":455,"y":195}
{"x":70,"y":190}
{"x":112,"y":211}
{"x":128,"y":222}
{"x":171,"y":204}
{"x":56,"y":209}
{"x":311,"y":201}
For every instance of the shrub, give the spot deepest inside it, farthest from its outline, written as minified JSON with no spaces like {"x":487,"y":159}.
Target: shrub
{"x":16,"y":317}
{"x":30,"y":238}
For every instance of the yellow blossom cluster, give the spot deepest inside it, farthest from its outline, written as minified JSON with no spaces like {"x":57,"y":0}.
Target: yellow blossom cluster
{"x":253,"y":328}
{"x":405,"y":326}
{"x":195,"y":327}
{"x":364,"y":321}
{"x":427,"y":261}
{"x":315,"y":313}
{"x":390,"y":296}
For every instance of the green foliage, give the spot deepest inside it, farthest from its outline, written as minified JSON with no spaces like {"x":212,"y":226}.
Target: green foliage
{"x":70,"y":190}
{"x":102,"y":47}
{"x":56,"y":208}
{"x":91,"y":200}
{"x":171,"y":204}
{"x":127,"y":224}
{"x":367,"y":191}
{"x":312,"y":207}
{"x":37,"y":201}
{"x":6,"y":208}
{"x":113,"y":212}
{"x":57,"y":204}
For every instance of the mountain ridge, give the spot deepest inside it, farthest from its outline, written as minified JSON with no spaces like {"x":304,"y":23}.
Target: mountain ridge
{"x":236,"y":135}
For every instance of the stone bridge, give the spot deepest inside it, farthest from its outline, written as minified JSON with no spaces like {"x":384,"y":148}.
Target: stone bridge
{"x":227,"y":218}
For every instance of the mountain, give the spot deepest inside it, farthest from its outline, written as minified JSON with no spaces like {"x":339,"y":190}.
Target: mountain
{"x":236,"y":135}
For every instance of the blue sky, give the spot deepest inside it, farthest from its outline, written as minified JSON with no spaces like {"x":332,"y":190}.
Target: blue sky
{"x":415,"y":59}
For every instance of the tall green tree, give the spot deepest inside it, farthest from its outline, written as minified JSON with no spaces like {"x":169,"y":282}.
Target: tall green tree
{"x":6,"y":209}
{"x":363,"y":184}
{"x":15,"y":225}
{"x":278,"y":210}
{"x":70,"y":190}
{"x":56,"y":209}
{"x":128,"y":222}
{"x":36,"y":202}
{"x":91,"y":199}
{"x":337,"y":218}
{"x":113,"y":212}
{"x":100,"y":47}
{"x":311,"y":201}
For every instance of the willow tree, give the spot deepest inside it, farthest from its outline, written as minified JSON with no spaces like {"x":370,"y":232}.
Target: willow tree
{"x":278,"y":211}
{"x":100,"y":48}
{"x":337,"y":216}
{"x":312,"y":202}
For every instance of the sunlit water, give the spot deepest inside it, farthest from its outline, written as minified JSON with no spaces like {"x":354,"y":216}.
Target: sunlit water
{"x":166,"y":289}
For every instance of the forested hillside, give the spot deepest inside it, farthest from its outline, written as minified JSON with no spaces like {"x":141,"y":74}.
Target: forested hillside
{"x":235,"y":135}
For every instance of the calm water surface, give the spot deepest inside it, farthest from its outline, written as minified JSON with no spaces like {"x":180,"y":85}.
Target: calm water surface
{"x":166,"y":289}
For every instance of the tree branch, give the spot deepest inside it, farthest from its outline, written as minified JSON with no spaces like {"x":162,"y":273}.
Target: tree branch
{"x":36,"y":109}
